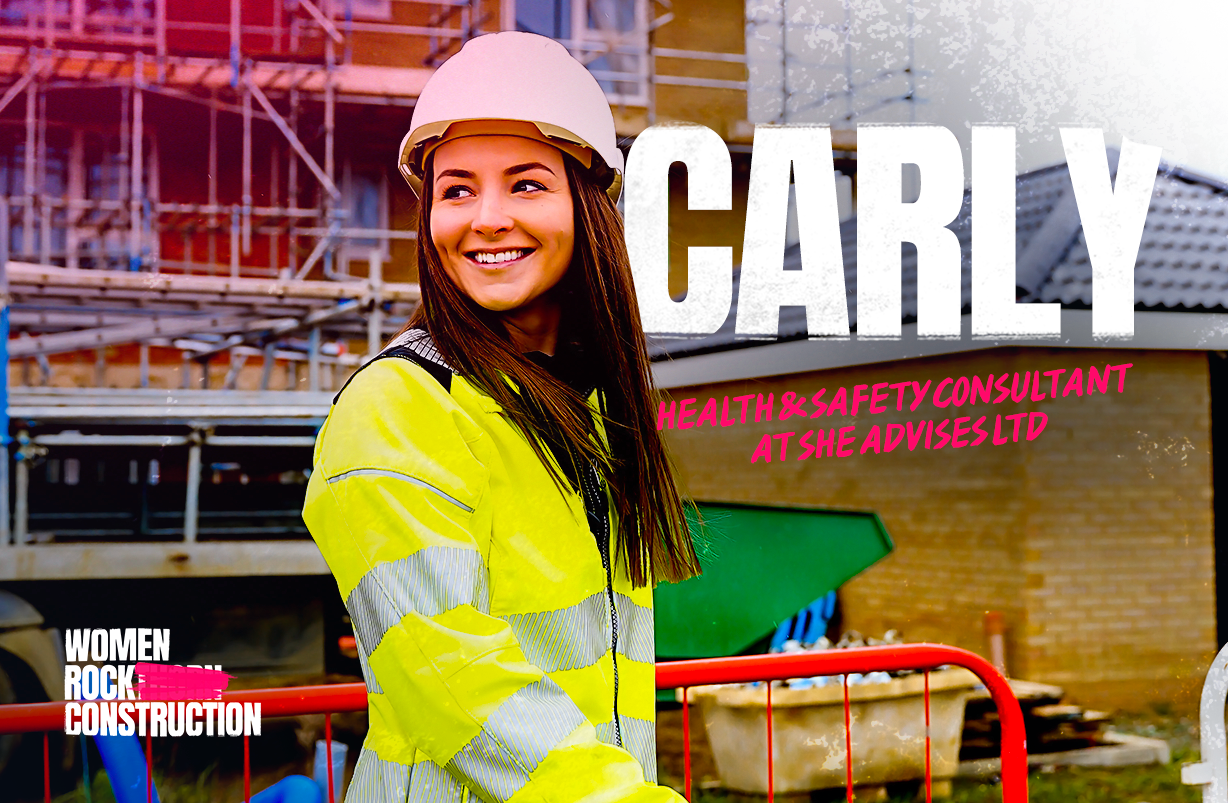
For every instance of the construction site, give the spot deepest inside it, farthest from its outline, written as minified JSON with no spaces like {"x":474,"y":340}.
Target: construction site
{"x":203,"y":234}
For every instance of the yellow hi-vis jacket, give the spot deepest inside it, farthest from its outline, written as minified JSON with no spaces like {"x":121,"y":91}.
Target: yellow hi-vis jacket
{"x":503,"y":658}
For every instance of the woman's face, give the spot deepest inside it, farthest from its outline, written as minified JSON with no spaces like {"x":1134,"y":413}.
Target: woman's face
{"x":501,"y":218}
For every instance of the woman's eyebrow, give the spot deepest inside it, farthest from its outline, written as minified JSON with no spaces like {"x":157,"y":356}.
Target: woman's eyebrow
{"x":524,"y":168}
{"x":455,"y":173}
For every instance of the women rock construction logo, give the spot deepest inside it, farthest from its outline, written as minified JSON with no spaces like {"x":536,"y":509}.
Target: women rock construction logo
{"x":166,"y":700}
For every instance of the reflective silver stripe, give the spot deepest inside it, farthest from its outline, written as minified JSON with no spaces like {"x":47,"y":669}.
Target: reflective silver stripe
{"x":397,"y":475}
{"x":640,"y":738}
{"x":431,"y":783}
{"x":430,"y":581}
{"x":635,"y":630}
{"x":483,"y":763}
{"x":516,"y":737}
{"x":605,"y":732}
{"x":568,"y":638}
{"x":377,"y":781}
{"x":373,"y":686}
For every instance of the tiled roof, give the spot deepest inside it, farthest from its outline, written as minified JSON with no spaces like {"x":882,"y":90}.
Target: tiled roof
{"x":1182,"y":260}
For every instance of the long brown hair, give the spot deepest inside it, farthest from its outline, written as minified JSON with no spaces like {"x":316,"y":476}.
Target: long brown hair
{"x":652,"y":539}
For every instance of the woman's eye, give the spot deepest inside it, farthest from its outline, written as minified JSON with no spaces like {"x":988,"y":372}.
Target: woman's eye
{"x":527,"y":184}
{"x":455,"y":191}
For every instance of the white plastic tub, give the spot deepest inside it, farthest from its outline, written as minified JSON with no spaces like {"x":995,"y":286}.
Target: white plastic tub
{"x":808,"y":743}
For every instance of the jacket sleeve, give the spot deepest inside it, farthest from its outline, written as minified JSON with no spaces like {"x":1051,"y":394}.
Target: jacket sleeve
{"x":396,"y":504}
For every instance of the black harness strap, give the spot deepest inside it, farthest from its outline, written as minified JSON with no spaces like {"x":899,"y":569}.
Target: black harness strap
{"x":441,"y":374}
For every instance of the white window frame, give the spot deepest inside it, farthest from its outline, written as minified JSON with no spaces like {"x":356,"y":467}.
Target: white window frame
{"x":348,"y":251}
{"x":588,"y":43}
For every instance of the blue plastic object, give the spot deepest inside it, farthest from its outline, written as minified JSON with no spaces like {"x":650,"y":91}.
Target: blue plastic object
{"x":125,"y":765}
{"x":292,"y":789}
{"x":807,"y":625}
{"x":321,"y":768}
{"x":4,"y":378}
{"x":85,"y":771}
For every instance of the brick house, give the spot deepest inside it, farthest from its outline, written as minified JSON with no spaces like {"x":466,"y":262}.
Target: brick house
{"x":1097,"y":540}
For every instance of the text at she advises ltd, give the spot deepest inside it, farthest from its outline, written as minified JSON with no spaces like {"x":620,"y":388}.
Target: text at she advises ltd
{"x":926,"y":433}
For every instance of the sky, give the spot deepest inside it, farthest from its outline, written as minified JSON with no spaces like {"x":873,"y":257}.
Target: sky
{"x":1153,"y":72}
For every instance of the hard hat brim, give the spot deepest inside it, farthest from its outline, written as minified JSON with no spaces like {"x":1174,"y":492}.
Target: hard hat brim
{"x":420,"y":142}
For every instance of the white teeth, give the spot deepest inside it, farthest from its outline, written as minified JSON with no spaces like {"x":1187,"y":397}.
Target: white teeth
{"x":501,"y":256}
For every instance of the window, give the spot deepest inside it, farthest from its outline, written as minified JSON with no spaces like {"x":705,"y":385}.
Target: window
{"x":609,"y":36}
{"x":546,"y":17}
{"x":50,"y":181}
{"x":18,"y":12}
{"x":72,"y":471}
{"x":364,"y":191}
{"x":359,"y":9}
{"x":140,"y":9}
{"x":102,"y":178}
{"x":98,"y":19}
{"x":107,"y":183}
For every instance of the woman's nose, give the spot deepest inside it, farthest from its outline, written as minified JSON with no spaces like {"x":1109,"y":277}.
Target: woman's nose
{"x":491,"y":215}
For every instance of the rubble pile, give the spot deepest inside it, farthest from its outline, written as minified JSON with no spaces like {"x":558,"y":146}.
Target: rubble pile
{"x":1052,"y":726}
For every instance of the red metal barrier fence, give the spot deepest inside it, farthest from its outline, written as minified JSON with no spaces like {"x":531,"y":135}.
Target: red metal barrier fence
{"x":348,"y":697}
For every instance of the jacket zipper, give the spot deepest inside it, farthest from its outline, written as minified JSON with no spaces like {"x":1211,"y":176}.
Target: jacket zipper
{"x":603,"y":544}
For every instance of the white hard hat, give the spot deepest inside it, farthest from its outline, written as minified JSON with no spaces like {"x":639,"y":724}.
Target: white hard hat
{"x":514,"y":77}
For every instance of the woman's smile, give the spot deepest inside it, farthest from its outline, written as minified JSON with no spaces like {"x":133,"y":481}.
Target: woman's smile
{"x":499,"y":259}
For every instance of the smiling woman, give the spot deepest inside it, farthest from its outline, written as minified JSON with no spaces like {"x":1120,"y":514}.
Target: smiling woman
{"x":491,"y":492}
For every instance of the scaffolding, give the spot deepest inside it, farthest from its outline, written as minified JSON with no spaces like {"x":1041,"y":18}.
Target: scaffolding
{"x":84,"y":203}
{"x":196,"y":197}
{"x":114,"y":109}
{"x":794,"y":55}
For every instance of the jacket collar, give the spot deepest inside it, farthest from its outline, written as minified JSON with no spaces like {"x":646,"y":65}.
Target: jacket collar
{"x":570,"y":363}
{"x":419,"y":341}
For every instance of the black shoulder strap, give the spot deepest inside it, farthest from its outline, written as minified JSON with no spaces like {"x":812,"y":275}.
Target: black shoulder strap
{"x":441,"y":374}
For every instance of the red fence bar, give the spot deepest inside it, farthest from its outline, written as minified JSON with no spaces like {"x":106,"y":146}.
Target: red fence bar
{"x":328,"y":753}
{"x":848,"y":741}
{"x":769,"y":740}
{"x":929,"y":775}
{"x":148,"y":768}
{"x":337,"y":698}
{"x":46,"y":769}
{"x":894,"y":657}
{"x":345,"y":697}
{"x":247,"y":769}
{"x":686,"y":745}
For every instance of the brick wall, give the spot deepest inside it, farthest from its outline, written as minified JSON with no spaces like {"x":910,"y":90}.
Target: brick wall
{"x":1095,"y":540}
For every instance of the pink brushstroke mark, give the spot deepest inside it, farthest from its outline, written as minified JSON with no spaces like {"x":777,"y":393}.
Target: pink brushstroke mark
{"x":166,"y":682}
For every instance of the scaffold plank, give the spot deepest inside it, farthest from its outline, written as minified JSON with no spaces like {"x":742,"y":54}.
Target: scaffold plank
{"x":124,"y":561}
{"x":189,"y":72}
{"x":27,"y":273}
